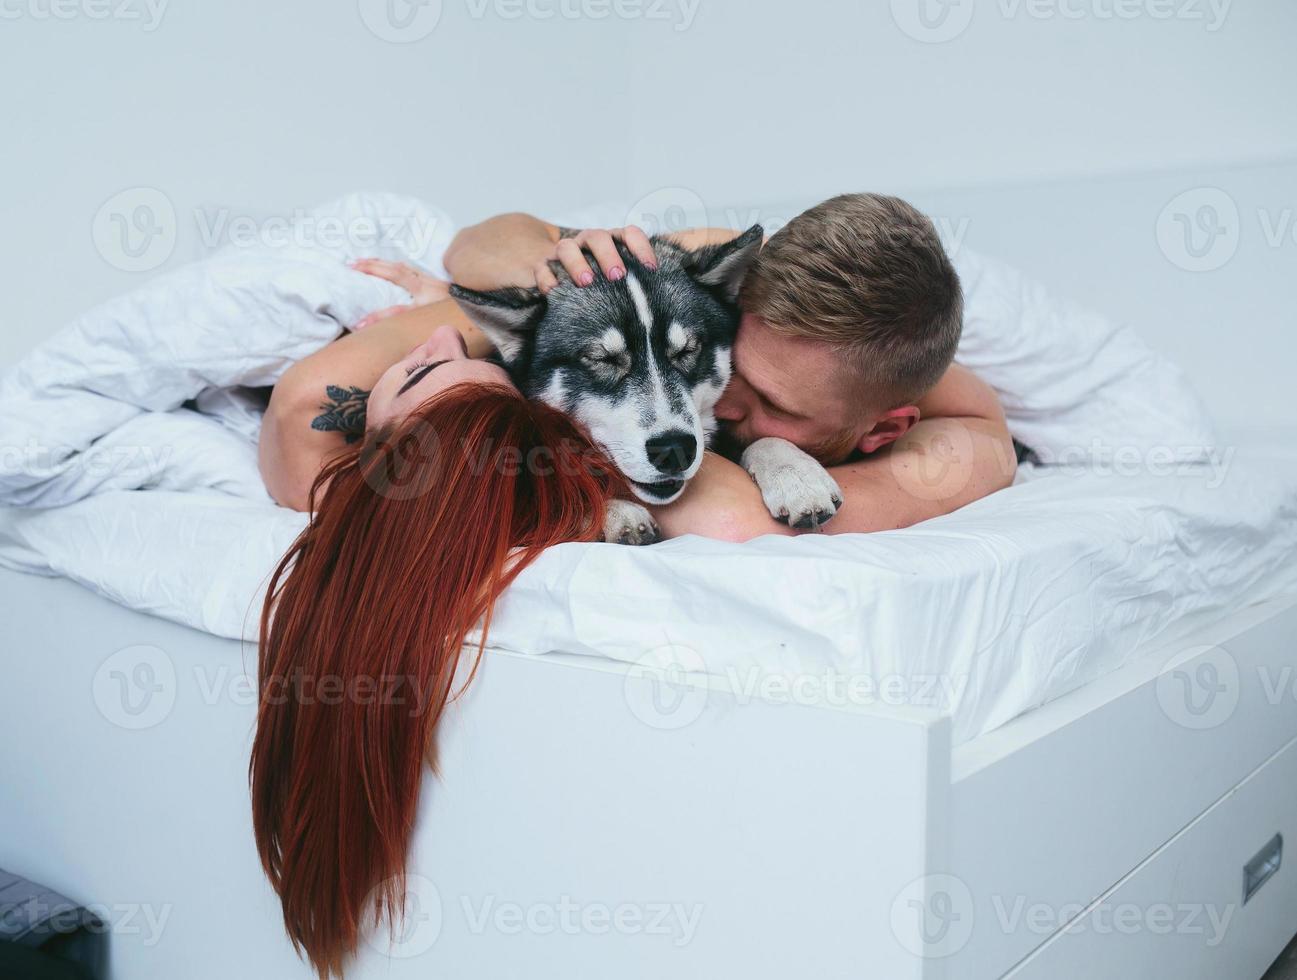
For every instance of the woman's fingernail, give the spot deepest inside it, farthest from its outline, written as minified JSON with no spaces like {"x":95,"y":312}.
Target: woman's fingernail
{"x":652,"y":265}
{"x":586,"y":278}
{"x":616,"y":272}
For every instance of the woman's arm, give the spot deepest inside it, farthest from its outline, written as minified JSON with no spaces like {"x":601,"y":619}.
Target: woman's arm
{"x":317,"y":409}
{"x":500,"y":251}
{"x":516,"y":249}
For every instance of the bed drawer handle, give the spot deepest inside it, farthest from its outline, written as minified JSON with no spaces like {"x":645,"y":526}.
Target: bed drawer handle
{"x":1262,"y":867}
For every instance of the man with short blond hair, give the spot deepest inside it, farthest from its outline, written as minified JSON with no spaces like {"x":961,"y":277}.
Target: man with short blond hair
{"x":868,"y":274}
{"x":851,"y":315}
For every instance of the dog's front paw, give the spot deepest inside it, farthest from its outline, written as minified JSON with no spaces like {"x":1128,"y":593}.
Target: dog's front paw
{"x":796,"y":489}
{"x":626,"y":522}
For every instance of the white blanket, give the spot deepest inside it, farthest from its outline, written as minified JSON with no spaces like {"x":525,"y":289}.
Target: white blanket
{"x":984,"y":613}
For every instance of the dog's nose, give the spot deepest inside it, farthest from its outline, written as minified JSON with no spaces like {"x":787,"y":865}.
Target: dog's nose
{"x":672,"y":452}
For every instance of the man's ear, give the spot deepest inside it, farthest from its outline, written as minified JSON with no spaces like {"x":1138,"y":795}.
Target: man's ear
{"x":724,"y":266}
{"x":507,"y":317}
{"x":889,"y":428}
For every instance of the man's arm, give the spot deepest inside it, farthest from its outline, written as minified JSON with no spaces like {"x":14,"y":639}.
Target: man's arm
{"x":722,"y":502}
{"x":317,"y":408}
{"x":959,"y":452}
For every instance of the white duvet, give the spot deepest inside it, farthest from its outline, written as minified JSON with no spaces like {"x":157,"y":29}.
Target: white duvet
{"x":129,"y":465}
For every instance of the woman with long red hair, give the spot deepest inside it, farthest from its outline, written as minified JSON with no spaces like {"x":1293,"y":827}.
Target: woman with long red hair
{"x":429,"y":490}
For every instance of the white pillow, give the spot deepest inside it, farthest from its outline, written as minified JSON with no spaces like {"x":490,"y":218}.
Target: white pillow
{"x":1075,"y":386}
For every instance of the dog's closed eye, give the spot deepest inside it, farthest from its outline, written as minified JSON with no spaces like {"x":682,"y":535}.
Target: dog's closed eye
{"x":683,"y":348}
{"x":606,"y":361}
{"x":681,"y":341}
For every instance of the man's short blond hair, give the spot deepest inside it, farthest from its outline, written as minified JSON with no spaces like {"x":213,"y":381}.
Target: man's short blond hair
{"x":867,"y":273}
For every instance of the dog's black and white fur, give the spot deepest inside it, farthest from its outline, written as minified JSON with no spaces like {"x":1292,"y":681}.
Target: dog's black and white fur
{"x":641,"y":363}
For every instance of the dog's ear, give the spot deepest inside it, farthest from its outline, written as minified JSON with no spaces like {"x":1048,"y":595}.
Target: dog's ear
{"x":723,"y":266}
{"x":507,"y":316}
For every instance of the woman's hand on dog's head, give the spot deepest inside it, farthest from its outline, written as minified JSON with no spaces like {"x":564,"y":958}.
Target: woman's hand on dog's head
{"x":602,"y":244}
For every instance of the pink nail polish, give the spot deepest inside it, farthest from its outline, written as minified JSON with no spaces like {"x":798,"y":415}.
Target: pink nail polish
{"x":616,"y":272}
{"x":586,"y":278}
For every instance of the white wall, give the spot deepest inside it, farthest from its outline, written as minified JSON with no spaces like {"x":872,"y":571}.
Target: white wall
{"x":263,"y":107}
{"x":829,"y":96}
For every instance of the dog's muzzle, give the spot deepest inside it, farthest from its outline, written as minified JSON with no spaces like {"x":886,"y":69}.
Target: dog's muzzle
{"x":672,"y":453}
{"x":661,"y":492}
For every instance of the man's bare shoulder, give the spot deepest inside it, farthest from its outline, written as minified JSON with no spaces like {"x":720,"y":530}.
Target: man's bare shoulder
{"x":961,"y":394}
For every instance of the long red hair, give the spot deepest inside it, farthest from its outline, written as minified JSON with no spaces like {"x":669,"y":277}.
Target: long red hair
{"x":417,"y":532}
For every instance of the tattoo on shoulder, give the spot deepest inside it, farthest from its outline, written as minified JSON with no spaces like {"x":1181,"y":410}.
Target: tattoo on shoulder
{"x":343,"y":412}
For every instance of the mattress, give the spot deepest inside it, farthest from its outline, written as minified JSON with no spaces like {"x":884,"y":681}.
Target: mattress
{"x":981,"y":614}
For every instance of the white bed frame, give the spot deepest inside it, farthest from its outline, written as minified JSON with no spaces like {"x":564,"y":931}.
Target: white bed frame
{"x":1103,"y":835}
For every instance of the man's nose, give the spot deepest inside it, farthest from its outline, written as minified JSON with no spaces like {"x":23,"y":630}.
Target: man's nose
{"x":728,"y":408}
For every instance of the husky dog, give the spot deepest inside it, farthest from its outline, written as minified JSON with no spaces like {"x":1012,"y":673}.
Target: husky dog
{"x":641,"y":362}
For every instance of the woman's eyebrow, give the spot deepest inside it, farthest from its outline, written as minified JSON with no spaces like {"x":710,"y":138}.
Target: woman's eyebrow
{"x":418,"y":376}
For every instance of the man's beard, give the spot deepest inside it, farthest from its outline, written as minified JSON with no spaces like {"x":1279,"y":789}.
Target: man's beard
{"x":835,"y":450}
{"x":830,"y":452}
{"x":726,"y":444}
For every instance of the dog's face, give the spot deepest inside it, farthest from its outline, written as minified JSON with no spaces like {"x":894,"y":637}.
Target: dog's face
{"x":639,"y":362}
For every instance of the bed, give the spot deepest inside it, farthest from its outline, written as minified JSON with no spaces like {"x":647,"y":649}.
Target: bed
{"x":736,"y":835}
{"x":1051,"y":735}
